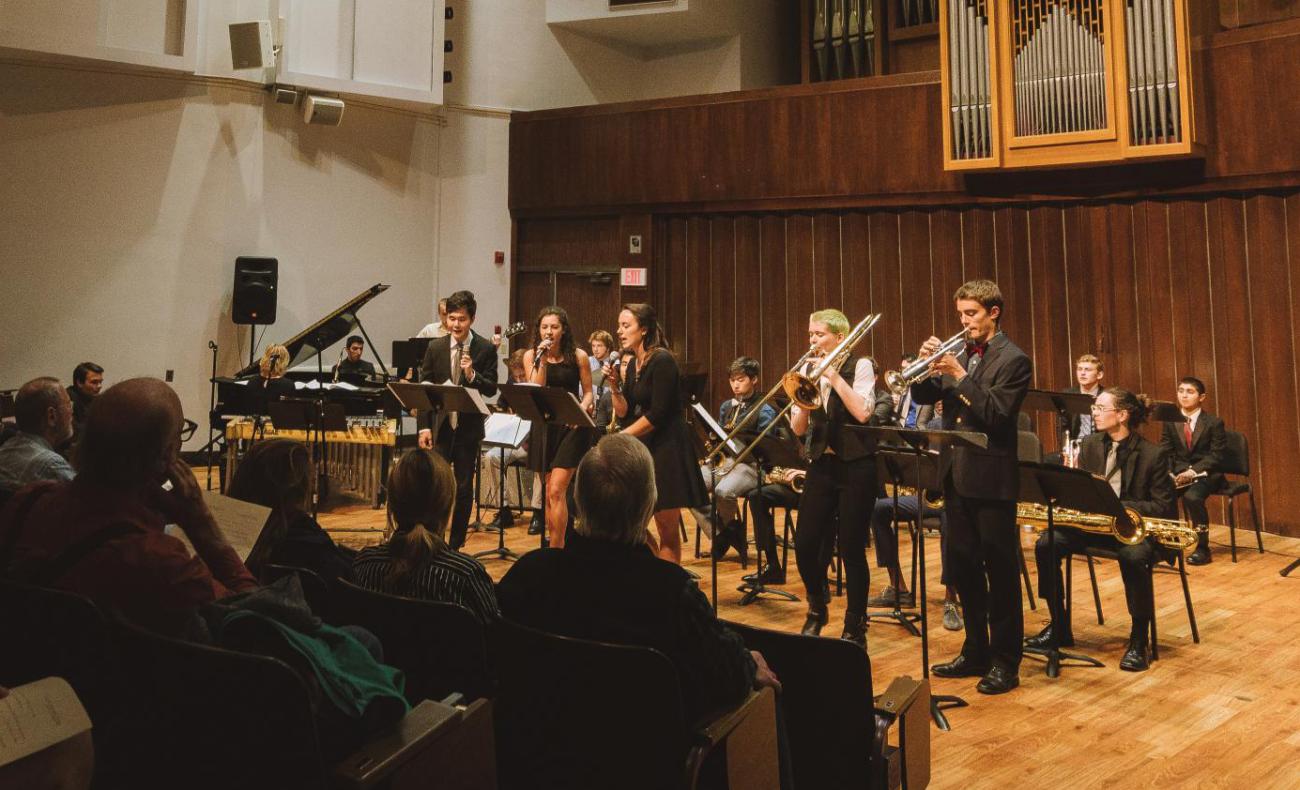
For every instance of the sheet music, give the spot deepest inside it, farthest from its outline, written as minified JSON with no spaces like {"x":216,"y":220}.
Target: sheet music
{"x":37,"y":716}
{"x":714,"y":428}
{"x":239,"y":521}
{"x":505,"y":430}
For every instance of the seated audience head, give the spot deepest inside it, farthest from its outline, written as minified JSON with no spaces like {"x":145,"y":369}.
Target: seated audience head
{"x":1116,"y":407}
{"x":276,"y":473}
{"x":614,"y":490}
{"x":1089,"y":371}
{"x":1191,"y":393}
{"x":356,"y":345}
{"x":132,"y":435}
{"x":421,"y":496}
{"x":743,"y":376}
{"x":88,"y":378}
{"x":273,"y":362}
{"x":42,"y":408}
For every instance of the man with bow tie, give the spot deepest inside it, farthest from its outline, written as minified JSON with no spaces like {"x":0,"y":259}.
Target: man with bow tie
{"x":981,"y":390}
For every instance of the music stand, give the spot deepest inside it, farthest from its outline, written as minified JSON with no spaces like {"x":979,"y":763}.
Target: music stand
{"x":768,"y":452}
{"x":915,"y":442}
{"x":1166,"y":411}
{"x":890,"y":466}
{"x":1064,"y":404}
{"x":314,"y":417}
{"x":1062,"y":487}
{"x":544,"y":406}
{"x":511,"y":433}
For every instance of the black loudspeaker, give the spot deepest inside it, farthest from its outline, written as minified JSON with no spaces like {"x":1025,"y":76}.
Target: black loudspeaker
{"x":254,"y":296}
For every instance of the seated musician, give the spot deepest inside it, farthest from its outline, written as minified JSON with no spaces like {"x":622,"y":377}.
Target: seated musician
{"x":1196,"y":450}
{"x":907,"y":412}
{"x":1138,"y":472}
{"x":1088,"y":373}
{"x":270,"y":384}
{"x":492,"y":457}
{"x":353,"y":365}
{"x":777,"y":492}
{"x":734,"y":481}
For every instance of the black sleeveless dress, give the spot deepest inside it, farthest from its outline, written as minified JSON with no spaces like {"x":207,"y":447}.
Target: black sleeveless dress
{"x":655,"y":393}
{"x":565,"y":446}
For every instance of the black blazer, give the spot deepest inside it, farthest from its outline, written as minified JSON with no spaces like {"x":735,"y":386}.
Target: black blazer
{"x":1145,"y":484}
{"x":436,"y":368}
{"x":1209,"y":445}
{"x":987,"y":401}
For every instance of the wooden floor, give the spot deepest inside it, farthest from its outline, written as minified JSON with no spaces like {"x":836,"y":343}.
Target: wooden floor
{"x":1222,"y":713}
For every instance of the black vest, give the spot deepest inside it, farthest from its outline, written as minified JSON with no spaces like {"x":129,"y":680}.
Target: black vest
{"x":826,"y":426}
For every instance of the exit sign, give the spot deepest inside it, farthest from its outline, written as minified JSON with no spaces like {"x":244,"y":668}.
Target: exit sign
{"x":632,"y":278}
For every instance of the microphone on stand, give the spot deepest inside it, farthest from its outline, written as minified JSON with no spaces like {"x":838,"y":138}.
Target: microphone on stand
{"x":339,"y":363}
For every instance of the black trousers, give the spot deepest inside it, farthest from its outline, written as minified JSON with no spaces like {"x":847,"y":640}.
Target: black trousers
{"x":1194,"y":497}
{"x":1134,"y":566}
{"x":983,"y":562}
{"x":463,"y":456}
{"x":837,"y":500}
{"x":762,"y":506}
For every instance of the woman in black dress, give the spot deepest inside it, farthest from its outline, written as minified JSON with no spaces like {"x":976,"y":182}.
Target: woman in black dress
{"x":556,"y":361}
{"x":648,"y":401}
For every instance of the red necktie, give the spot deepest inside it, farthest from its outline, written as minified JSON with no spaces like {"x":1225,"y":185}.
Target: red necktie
{"x":1187,"y":434}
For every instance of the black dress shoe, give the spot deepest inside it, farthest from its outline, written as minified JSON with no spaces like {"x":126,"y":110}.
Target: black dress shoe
{"x":505,"y":518}
{"x":722,"y":541}
{"x":772,"y":574}
{"x":1135,"y":658}
{"x":536,"y":526}
{"x":814,"y":622}
{"x":960,"y":667}
{"x":1044,"y":639}
{"x":1202,"y":554}
{"x":998,"y":681}
{"x":855,"y":630}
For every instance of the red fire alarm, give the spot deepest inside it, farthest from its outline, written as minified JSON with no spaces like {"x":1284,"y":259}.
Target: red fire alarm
{"x":499,"y":258}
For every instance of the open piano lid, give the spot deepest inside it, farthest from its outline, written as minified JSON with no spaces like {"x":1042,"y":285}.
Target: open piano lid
{"x":324,"y":333}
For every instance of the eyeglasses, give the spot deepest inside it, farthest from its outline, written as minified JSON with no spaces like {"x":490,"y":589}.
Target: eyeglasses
{"x":188,"y":428}
{"x":1102,"y":409}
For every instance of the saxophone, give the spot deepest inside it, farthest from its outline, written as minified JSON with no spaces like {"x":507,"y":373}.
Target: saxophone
{"x":778,"y":474}
{"x":1169,"y":532}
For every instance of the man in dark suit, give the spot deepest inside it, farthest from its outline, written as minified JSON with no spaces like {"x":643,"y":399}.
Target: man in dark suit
{"x":1196,"y":450}
{"x":1138,"y":471}
{"x":470,"y":360}
{"x":981,"y":389}
{"x":907,"y":412}
{"x":1088,"y":373}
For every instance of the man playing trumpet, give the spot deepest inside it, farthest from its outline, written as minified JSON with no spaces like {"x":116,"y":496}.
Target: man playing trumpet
{"x":1137,"y":470}
{"x":981,"y":388}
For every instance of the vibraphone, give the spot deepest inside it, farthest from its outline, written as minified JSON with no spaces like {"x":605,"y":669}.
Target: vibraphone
{"x":356,"y":459}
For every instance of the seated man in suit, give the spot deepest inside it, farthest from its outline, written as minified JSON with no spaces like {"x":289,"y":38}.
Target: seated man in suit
{"x":43,"y":414}
{"x":353,"y":365}
{"x":907,"y":412}
{"x":607,"y":585}
{"x":468,"y":359}
{"x":1196,"y":450}
{"x":1138,"y":472}
{"x":1088,"y":372}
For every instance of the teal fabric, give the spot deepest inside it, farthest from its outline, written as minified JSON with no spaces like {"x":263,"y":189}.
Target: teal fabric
{"x":348,"y":675}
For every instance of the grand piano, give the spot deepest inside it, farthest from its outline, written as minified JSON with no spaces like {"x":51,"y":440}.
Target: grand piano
{"x":360,"y":418}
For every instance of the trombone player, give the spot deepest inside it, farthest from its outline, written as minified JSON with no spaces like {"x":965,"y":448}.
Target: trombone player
{"x":841,"y":480}
{"x":1137,"y":470}
{"x":981,"y":387}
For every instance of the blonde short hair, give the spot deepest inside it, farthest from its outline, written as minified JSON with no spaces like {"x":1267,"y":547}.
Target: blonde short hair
{"x":835,"y":321}
{"x":274,"y":362}
{"x":1091,"y":359}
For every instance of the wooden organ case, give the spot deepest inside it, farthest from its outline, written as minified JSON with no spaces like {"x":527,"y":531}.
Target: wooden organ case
{"x":1061,"y":83}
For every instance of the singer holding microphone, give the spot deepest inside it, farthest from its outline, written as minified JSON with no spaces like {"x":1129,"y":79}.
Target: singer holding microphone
{"x":556,"y":361}
{"x":647,"y":399}
{"x":468,"y":359}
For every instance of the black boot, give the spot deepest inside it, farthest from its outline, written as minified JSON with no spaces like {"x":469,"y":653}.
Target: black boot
{"x":855,"y":630}
{"x":536,"y":526}
{"x":1138,"y":656}
{"x":505,"y":518}
{"x":1202,"y":554}
{"x":817,"y":616}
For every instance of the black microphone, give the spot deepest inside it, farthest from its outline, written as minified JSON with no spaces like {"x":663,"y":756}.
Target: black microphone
{"x":542,"y":348}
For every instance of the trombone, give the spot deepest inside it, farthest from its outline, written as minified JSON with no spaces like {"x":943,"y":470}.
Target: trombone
{"x":919,"y":370}
{"x":802,"y":389}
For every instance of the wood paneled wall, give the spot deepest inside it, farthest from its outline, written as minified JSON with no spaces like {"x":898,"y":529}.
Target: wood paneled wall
{"x":1158,"y":288}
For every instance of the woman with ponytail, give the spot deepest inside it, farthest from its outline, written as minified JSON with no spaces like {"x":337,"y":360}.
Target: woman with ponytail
{"x":416,"y":562}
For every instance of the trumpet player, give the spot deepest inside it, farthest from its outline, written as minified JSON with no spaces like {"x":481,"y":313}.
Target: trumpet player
{"x":1137,"y":470}
{"x":731,"y":482}
{"x":981,"y":388}
{"x":841,"y":482}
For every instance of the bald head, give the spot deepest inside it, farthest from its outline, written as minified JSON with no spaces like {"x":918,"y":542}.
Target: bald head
{"x":132,"y":432}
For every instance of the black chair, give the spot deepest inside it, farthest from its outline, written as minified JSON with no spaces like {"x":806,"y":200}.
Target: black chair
{"x":317,"y":592}
{"x":578,"y":713}
{"x":1110,"y":554}
{"x":838,"y":733}
{"x":441,"y":647}
{"x":1236,"y":462}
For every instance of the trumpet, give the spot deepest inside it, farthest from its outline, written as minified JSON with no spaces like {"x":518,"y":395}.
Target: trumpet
{"x":919,"y":370}
{"x":1169,"y":532}
{"x":778,"y":477}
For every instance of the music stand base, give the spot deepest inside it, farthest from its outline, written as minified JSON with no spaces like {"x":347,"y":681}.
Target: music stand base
{"x":498,"y":553}
{"x":941,"y":702}
{"x":1055,"y":656}
{"x":1287,"y":570}
{"x":753,"y":591}
{"x":897,"y":617}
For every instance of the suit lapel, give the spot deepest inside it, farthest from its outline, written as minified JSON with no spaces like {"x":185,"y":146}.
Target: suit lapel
{"x":991,"y":354}
{"x":1199,"y":430}
{"x":1130,"y":461}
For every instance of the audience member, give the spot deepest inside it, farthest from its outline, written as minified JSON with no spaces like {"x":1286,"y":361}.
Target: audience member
{"x":43,"y":414}
{"x":277,"y":473}
{"x":101,"y":534}
{"x":417,"y":562}
{"x":87,"y":380}
{"x":606,"y":584}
